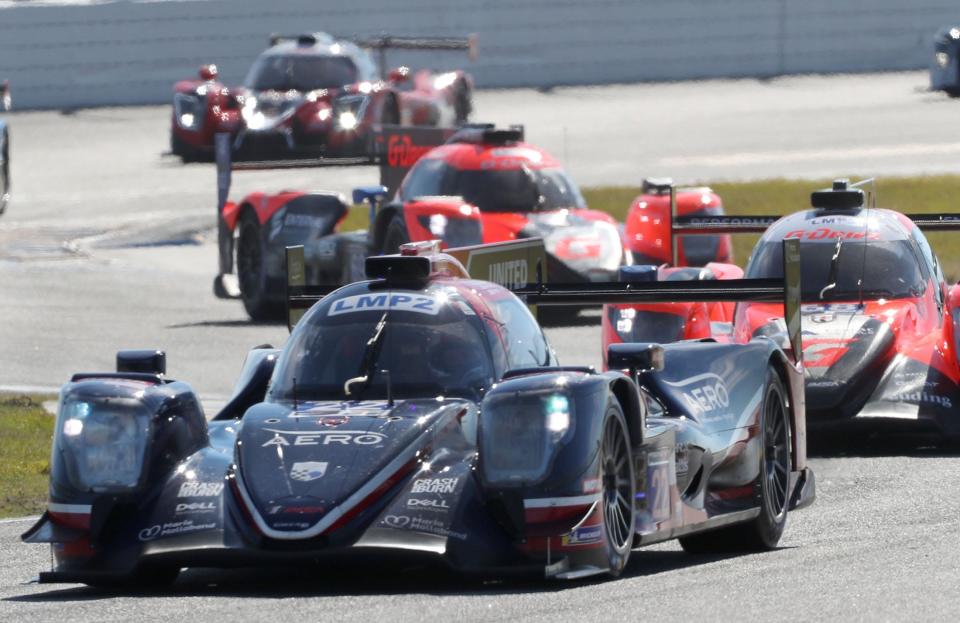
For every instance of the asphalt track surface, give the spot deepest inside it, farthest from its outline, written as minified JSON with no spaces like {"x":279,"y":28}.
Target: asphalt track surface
{"x":107,"y":245}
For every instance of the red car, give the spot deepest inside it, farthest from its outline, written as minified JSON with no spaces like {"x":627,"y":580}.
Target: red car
{"x":488,"y":185}
{"x":879,"y":321}
{"x":647,"y":229}
{"x":315,"y":94}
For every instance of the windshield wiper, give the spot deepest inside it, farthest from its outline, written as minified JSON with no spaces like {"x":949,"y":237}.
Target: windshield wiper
{"x":370,"y":355}
{"x":834,"y":265}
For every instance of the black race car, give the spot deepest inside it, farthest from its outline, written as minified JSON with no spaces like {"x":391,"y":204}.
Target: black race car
{"x":424,"y":412}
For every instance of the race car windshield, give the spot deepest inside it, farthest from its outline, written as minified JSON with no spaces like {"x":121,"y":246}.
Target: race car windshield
{"x":494,"y":190}
{"x":427,"y":354}
{"x":300,"y":73}
{"x":887,"y":269}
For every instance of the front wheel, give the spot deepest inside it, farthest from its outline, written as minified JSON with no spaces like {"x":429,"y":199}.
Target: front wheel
{"x":184,"y":150}
{"x":462,"y":103}
{"x":764,"y":532}
{"x":619,"y":488}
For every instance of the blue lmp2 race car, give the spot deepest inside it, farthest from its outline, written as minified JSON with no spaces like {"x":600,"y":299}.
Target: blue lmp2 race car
{"x":423,"y":412}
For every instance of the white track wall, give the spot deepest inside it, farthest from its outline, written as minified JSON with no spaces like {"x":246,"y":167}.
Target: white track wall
{"x":62,"y":56}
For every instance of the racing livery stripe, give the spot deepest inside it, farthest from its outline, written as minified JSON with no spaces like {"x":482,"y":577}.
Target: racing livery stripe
{"x":574,"y":500}
{"x":73,"y":509}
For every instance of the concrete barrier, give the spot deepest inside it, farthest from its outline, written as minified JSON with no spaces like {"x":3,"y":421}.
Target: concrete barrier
{"x":63,"y":55}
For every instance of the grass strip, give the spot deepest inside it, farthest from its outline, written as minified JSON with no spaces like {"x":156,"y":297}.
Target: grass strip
{"x":25,"y":433}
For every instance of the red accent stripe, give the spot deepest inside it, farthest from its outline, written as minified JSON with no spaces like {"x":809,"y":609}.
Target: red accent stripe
{"x":80,"y":521}
{"x":374,"y":495}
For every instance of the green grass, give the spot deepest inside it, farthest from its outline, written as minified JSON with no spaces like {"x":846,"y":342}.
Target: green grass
{"x":25,"y":433}
{"x":939,"y":193}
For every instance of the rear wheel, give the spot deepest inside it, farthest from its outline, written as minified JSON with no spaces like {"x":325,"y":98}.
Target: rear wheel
{"x":391,"y":112}
{"x":183,"y":149}
{"x":462,"y":103}
{"x":764,"y":532}
{"x":252,"y":270}
{"x":619,"y":488}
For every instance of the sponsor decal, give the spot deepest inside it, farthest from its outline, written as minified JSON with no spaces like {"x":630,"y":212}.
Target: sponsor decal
{"x":584,"y":535}
{"x":401,"y":152}
{"x":822,"y":317}
{"x":428,"y":504}
{"x":706,"y":396}
{"x":416,"y":303}
{"x":187,"y":508}
{"x":509,"y":274}
{"x":290,"y":525}
{"x":435,"y":485}
{"x":837,"y":308}
{"x":826,"y":233}
{"x":306,"y":471}
{"x":421,"y":524}
{"x":397,"y":521}
{"x":924,"y":398}
{"x":305,"y":220}
{"x":194,"y":489}
{"x":173,"y":528}
{"x":323,"y":438}
{"x":592,"y":485}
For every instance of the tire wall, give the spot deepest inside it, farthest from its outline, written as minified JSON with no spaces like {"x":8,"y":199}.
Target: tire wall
{"x":59,"y":55}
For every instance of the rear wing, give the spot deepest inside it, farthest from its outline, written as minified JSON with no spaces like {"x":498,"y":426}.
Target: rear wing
{"x":380,"y":44}
{"x":520,"y":266}
{"x":758,"y":223}
{"x":786,"y":291}
{"x":393,"y":148}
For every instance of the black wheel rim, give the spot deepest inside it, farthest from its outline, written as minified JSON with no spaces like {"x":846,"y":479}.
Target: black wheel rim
{"x":616,"y":485}
{"x":776,"y":455}
{"x":248,"y":261}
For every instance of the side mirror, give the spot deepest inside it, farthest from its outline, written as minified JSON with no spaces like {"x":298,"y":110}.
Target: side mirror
{"x":399,"y":74}
{"x":208,"y":72}
{"x":636,"y":357}
{"x":148,"y":361}
{"x":374,"y":195}
{"x":638,"y":273}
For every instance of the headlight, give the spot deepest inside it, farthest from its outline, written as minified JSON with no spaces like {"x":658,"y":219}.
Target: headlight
{"x":520,"y":435}
{"x":189,"y":111}
{"x":349,"y":110}
{"x":455,"y":232}
{"x":347,"y":120}
{"x":102,"y":442}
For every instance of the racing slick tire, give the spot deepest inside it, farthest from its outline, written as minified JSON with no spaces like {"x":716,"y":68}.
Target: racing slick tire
{"x":394,"y":235}
{"x":185,"y":151}
{"x":764,"y":532}
{"x":619,"y":488}
{"x":390,"y":115}
{"x":251,"y":270}
{"x":462,"y":103}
